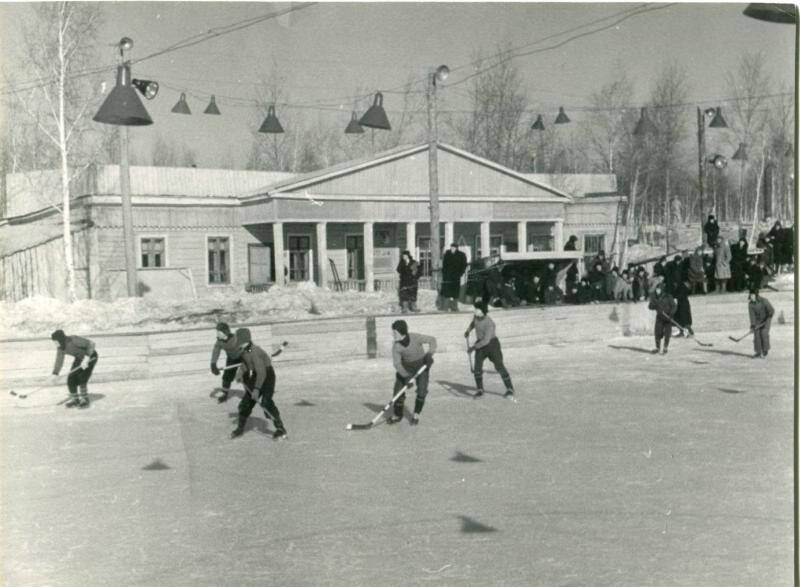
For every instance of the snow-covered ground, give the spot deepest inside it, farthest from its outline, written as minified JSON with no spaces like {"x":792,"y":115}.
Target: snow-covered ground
{"x":40,"y":315}
{"x":616,"y":467}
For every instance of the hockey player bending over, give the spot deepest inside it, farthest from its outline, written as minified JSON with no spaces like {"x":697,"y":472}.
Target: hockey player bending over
{"x":409,"y":355}
{"x":487,"y":346}
{"x":85,"y":359}
{"x":259,"y":381}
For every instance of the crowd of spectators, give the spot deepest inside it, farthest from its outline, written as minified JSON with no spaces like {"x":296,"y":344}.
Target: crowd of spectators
{"x":718,"y":266}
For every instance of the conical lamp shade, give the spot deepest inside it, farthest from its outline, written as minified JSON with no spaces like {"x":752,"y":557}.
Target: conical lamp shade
{"x":718,"y":121}
{"x":645,"y":125}
{"x":212,"y":107}
{"x":271,"y":124}
{"x":375,"y":116}
{"x":539,"y":124}
{"x":780,"y":13}
{"x":562,"y":117}
{"x":741,"y":153}
{"x":123,"y":105}
{"x":181,"y":107}
{"x":353,"y":128}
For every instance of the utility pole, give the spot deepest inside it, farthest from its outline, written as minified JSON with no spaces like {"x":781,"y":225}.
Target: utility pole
{"x":433,"y":172}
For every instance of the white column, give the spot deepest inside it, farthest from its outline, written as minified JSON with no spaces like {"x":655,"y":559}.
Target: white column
{"x":449,"y":234}
{"x":322,"y":253}
{"x":485,"y":244}
{"x":411,"y":238}
{"x":558,"y":235}
{"x":277,"y":253}
{"x":522,"y":236}
{"x":369,"y":258}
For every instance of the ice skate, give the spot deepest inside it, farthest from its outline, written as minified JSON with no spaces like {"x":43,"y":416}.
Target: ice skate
{"x":279,"y":434}
{"x":72,"y":402}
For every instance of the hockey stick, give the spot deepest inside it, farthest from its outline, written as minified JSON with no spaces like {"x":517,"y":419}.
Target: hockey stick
{"x":25,"y":395}
{"x":681,"y":328}
{"x":469,"y":355}
{"x":748,"y":333}
{"x":284,"y":344}
{"x":389,"y":405}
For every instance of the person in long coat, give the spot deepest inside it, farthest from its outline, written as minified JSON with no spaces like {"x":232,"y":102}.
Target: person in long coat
{"x":454,"y":264}
{"x":738,"y":265}
{"x":408,"y":270}
{"x":711,"y":228}
{"x":722,"y":269}
{"x":697,"y":273}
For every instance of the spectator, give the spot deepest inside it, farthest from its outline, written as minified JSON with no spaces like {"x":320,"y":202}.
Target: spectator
{"x":683,"y":314}
{"x":659,"y":270}
{"x":710,"y":268}
{"x":535,"y":291}
{"x":571,"y":244}
{"x":623,"y":290}
{"x":739,"y":265}
{"x":584,"y":292}
{"x":597,"y":281}
{"x":711,"y":229}
{"x":553,"y":295}
{"x":611,"y":278}
{"x":641,"y":285}
{"x":572,"y":276}
{"x":454,"y":264}
{"x":697,"y":274}
{"x":722,"y":269}
{"x":408,"y":270}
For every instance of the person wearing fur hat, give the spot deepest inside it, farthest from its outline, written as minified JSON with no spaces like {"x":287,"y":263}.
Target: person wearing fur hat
{"x":711,"y":229}
{"x":408,"y":271}
{"x":487,"y":346}
{"x":85,"y":358}
{"x":454,"y":264}
{"x":761,"y":313}
{"x":233,"y":356}
{"x":259,"y":385}
{"x":408,"y":356}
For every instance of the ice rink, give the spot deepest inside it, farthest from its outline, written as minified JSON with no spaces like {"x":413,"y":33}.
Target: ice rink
{"x":616,"y":467}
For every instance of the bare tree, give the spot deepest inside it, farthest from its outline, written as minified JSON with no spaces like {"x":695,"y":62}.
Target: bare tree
{"x":610,"y":120}
{"x":59,"y":41}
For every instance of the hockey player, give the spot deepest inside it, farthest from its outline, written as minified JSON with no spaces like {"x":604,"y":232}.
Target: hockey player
{"x":408,"y":356}
{"x":761,"y":313}
{"x":83,"y":350}
{"x":664,"y":305}
{"x":487,"y":346}
{"x":233,"y":356}
{"x":259,"y":381}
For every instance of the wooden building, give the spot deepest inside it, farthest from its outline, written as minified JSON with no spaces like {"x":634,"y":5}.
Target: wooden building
{"x":199,"y":230}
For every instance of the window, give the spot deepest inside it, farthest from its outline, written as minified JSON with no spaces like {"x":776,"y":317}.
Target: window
{"x":355,"y":256}
{"x":219,"y":259}
{"x":153,"y":252}
{"x":424,"y":256}
{"x":495,"y":245}
{"x":299,"y":259}
{"x":540,"y":242}
{"x":593,"y":243}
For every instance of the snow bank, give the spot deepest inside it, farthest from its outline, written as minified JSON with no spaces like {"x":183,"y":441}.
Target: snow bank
{"x":41,"y":315}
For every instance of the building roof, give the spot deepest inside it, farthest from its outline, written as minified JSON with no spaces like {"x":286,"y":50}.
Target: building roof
{"x":328,"y":174}
{"x":579,"y":185}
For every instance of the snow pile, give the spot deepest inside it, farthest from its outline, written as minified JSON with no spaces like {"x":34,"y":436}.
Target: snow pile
{"x":642,"y":251}
{"x":41,"y":315}
{"x":784,"y":281}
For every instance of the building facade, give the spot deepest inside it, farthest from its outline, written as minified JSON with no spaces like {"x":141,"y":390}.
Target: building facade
{"x":199,"y":231}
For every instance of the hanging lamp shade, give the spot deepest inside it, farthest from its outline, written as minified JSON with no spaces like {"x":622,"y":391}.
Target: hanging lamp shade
{"x":148,"y":88}
{"x":780,"y":13}
{"x":181,"y":107}
{"x":212,"y":107}
{"x":562,"y":117}
{"x":353,"y":128}
{"x":123,"y":106}
{"x":718,"y":121}
{"x":741,"y":153}
{"x":645,"y":125}
{"x":539,"y":124}
{"x":271,"y":124}
{"x":375,"y":116}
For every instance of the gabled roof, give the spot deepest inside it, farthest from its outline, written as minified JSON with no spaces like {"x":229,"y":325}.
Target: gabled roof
{"x":579,"y":185}
{"x":306,"y":180}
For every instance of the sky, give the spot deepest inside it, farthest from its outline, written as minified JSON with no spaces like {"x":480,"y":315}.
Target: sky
{"x":330,"y":52}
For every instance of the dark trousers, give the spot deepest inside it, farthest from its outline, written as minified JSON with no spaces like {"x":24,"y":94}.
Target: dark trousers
{"x":421,"y":386}
{"x":265,"y":396}
{"x":81,"y":377}
{"x":761,"y":339}
{"x":494,"y":353}
{"x":229,"y":374}
{"x":663,"y":330}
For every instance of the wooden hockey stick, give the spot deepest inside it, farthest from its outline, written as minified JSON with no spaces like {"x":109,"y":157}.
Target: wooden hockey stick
{"x":389,"y":405}
{"x":284,"y":344}
{"x":25,"y":395}
{"x":681,"y":328}
{"x":748,"y":333}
